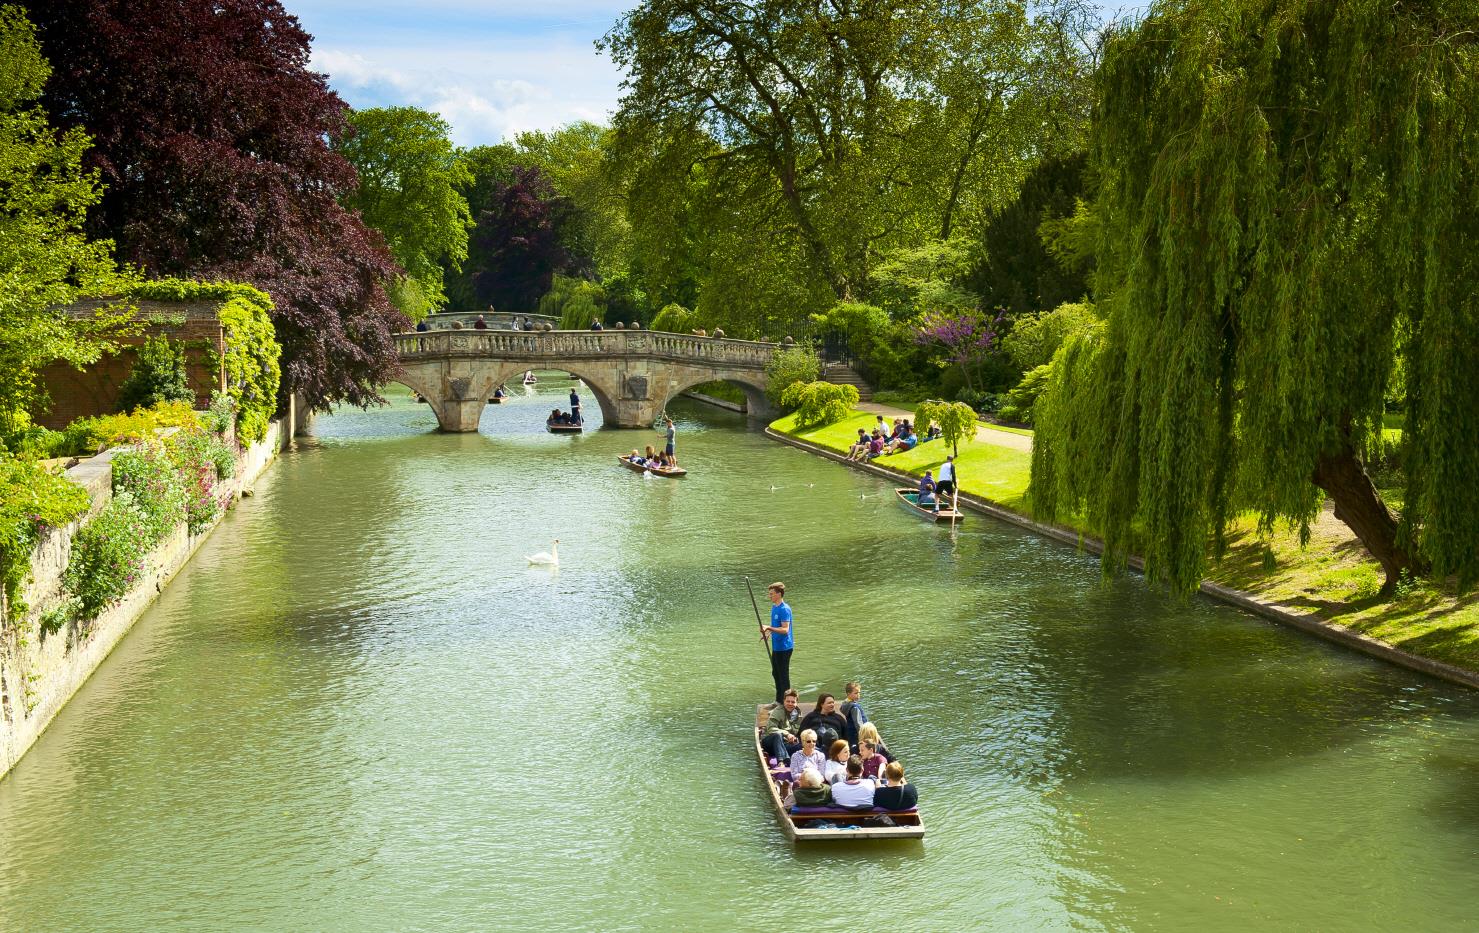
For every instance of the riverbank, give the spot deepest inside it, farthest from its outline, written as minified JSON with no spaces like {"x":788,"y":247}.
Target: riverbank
{"x":40,"y":671}
{"x":1328,"y":588}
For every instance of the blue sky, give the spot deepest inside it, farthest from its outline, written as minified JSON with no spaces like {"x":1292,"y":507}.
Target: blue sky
{"x":491,"y":68}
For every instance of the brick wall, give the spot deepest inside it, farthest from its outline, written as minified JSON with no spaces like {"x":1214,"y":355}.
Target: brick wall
{"x":94,"y":391}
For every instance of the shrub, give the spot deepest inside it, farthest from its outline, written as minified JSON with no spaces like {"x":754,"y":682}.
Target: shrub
{"x":1020,"y":400}
{"x":957,"y":421}
{"x":788,"y":367}
{"x":675,"y":319}
{"x":90,"y":435}
{"x":107,"y":556}
{"x":983,"y":402}
{"x":221,"y":415}
{"x":31,"y":498}
{"x":1034,"y":338}
{"x":200,"y":459}
{"x":819,"y":403}
{"x":158,"y":375}
{"x":155,"y":487}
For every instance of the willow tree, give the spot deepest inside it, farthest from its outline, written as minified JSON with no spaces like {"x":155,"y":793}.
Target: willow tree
{"x":1290,"y":215}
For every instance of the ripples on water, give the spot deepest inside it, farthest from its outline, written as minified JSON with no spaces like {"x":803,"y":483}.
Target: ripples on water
{"x":358,"y":708}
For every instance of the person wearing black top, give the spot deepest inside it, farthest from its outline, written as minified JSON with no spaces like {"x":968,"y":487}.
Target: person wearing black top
{"x":825,"y":718}
{"x":575,"y":408}
{"x":896,"y":794}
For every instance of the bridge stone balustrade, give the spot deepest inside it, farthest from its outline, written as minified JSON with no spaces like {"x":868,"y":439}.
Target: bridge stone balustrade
{"x":632,"y":374}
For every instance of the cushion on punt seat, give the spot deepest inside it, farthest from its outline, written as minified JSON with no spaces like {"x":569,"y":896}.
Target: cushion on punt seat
{"x":844,"y":811}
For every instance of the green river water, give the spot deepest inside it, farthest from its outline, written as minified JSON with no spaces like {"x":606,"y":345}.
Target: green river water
{"x":358,"y":709}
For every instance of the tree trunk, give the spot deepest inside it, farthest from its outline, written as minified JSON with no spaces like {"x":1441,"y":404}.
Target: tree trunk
{"x":1343,"y":478}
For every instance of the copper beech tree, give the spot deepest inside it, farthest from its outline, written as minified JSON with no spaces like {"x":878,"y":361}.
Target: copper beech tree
{"x":214,"y":144}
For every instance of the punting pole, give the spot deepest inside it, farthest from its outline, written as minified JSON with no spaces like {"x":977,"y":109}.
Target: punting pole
{"x":763,"y":641}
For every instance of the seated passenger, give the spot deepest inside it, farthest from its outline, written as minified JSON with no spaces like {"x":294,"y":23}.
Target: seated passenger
{"x":872,"y":761}
{"x":855,"y":791}
{"x":812,"y":791}
{"x":825,"y":719}
{"x":934,"y":432}
{"x":779,"y":736}
{"x":852,"y":710}
{"x":636,"y":457}
{"x":651,"y":455}
{"x":896,"y":793}
{"x":927,"y":490}
{"x":868,"y":732}
{"x":807,"y":756}
{"x":837,"y":756}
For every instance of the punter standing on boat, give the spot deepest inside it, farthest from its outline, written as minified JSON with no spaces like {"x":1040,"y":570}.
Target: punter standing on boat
{"x":575,"y":408}
{"x":672,"y":447}
{"x":779,"y":629}
{"x":945,"y":486}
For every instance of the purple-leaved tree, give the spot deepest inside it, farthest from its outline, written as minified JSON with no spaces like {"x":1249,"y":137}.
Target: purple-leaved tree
{"x":967,"y":337}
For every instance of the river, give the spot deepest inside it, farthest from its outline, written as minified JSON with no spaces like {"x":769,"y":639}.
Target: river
{"x":358,"y":708}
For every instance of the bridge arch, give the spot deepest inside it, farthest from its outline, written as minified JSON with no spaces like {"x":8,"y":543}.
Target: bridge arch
{"x":756,"y":403}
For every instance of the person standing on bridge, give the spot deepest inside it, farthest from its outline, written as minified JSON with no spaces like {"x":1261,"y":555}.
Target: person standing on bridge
{"x":575,"y":417}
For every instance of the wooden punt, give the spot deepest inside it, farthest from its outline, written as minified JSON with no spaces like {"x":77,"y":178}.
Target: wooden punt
{"x":909,"y":498}
{"x":655,"y":471}
{"x":562,"y":428}
{"x":802,"y":827}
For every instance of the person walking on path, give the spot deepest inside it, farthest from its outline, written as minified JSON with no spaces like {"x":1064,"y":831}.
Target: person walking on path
{"x":575,"y":417}
{"x":782,"y":640}
{"x":671,"y":450}
{"x":945,"y":485}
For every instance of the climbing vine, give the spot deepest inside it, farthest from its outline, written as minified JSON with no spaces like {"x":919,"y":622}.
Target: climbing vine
{"x":252,"y":352}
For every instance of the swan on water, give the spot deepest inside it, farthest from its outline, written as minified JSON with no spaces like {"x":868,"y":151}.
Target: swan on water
{"x":551,"y":559}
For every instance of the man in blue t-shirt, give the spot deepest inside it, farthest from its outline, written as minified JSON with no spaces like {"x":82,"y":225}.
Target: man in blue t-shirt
{"x":781,"y":639}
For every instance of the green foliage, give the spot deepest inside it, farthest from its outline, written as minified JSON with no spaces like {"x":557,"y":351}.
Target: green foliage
{"x":983,"y":402}
{"x":158,"y":375}
{"x":31,"y":498}
{"x":884,"y":349}
{"x":675,"y":319}
{"x":47,"y":261}
{"x":1035,"y":337}
{"x":576,"y":302}
{"x":1019,"y":401}
{"x":957,"y":421}
{"x":87,"y":436}
{"x":788,"y":367}
{"x":221,"y":415}
{"x":155,"y":485}
{"x":410,"y":181}
{"x":819,"y":403}
{"x":200,"y":459}
{"x":1289,"y":202}
{"x":913,"y":280}
{"x":253,"y":373}
{"x":107,"y":556}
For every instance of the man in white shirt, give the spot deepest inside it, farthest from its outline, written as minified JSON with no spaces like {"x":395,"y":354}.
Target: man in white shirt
{"x":945,"y":485}
{"x":856,"y":791}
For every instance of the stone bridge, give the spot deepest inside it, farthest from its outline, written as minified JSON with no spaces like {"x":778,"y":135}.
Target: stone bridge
{"x":633,"y":374}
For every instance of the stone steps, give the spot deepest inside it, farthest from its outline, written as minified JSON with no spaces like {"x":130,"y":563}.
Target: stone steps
{"x":843,"y":374}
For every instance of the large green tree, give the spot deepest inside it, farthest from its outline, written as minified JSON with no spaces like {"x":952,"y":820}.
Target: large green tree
{"x":1289,"y":212}
{"x":410,"y":189}
{"x":838,"y":131}
{"x":45,"y":260}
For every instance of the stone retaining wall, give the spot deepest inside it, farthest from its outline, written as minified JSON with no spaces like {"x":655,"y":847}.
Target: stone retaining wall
{"x":39,"y":674}
{"x":1274,"y":612}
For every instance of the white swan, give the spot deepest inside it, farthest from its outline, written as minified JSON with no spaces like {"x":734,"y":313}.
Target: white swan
{"x":552,"y":559}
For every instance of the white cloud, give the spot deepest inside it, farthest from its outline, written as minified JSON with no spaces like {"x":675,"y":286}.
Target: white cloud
{"x":486,"y":95}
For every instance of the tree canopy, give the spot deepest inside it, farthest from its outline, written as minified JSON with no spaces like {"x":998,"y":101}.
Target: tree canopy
{"x":214,"y":141}
{"x":45,"y":259}
{"x":410,"y":181}
{"x":518,"y":244}
{"x":1288,"y":216}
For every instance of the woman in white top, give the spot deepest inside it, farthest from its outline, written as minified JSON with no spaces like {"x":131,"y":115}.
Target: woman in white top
{"x":836,"y":769}
{"x":807,"y":756}
{"x":856,"y":791}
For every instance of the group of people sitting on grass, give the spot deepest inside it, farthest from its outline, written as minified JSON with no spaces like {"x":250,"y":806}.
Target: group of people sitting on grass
{"x":855,"y":771}
{"x":887,"y":440}
{"x":652,"y":459}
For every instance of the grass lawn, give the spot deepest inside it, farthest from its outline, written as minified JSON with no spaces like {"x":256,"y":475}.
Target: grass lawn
{"x":1332,"y":577}
{"x":986,"y":470}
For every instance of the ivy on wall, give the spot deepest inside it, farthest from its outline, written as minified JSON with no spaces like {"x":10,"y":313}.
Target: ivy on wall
{"x":252,"y":351}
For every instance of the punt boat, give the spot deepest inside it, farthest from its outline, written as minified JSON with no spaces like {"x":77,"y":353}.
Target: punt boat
{"x":909,"y":498}
{"x":554,"y":428}
{"x":824,"y":824}
{"x":675,"y":472}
